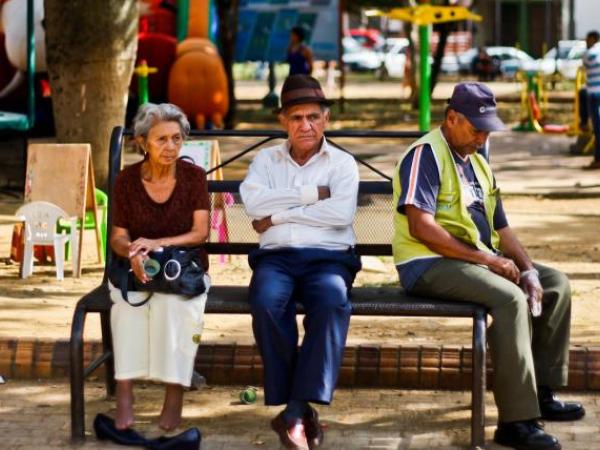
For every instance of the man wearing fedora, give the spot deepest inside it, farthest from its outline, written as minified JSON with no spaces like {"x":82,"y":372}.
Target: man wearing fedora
{"x":452,"y":240}
{"x":302,"y":196}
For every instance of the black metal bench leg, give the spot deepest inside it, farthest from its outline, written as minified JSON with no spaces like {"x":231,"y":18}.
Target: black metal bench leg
{"x":77,"y":377}
{"x":479,"y":374}
{"x":107,"y":347}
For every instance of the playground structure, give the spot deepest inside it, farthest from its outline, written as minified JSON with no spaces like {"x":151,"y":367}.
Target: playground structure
{"x":11,"y":120}
{"x":186,"y":66}
{"x":534,"y":107}
{"x":425,"y":15}
{"x":534,"y":104}
{"x":198,"y":83}
{"x":164,"y":26}
{"x":586,"y":139}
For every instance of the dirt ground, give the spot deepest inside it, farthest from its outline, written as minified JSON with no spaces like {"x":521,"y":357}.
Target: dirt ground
{"x":551,"y":203}
{"x":559,"y":232}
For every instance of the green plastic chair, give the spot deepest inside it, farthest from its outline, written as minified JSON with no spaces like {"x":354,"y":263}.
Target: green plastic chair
{"x":89,"y":222}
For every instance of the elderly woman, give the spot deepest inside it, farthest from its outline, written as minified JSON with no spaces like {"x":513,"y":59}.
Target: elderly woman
{"x":160,"y":201}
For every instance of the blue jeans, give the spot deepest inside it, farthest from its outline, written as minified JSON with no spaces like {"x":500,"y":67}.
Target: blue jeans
{"x":320,"y":280}
{"x":594,"y":104}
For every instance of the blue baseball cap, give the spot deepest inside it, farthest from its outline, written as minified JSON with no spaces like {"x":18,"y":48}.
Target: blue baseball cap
{"x":476,"y":102}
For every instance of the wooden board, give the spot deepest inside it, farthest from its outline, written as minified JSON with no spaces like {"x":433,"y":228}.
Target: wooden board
{"x":63,"y":174}
{"x":199,"y":152}
{"x":58,"y":173}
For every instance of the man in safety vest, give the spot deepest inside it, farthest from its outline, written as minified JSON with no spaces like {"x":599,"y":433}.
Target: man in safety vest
{"x":452,"y":241}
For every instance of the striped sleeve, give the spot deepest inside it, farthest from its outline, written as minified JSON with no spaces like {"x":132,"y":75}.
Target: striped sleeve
{"x":591,"y":61}
{"x":419,"y":180}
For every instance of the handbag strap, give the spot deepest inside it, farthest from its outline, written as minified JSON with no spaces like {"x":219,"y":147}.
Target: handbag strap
{"x":123,"y":281}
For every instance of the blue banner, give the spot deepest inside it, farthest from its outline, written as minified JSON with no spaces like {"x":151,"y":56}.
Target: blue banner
{"x":264,"y":28}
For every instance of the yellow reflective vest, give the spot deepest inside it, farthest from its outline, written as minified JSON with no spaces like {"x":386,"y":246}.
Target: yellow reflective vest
{"x":451,"y":212}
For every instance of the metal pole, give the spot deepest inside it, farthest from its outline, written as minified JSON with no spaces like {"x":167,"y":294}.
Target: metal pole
{"x":212,"y":21}
{"x":523,"y":27}
{"x":498,"y":26}
{"x":30,"y":65}
{"x":424,"y":77}
{"x":571,"y":19}
{"x":143,"y":96}
{"x":271,"y":100}
{"x":340,"y":62}
{"x":548,"y":27}
{"x":183,"y":17}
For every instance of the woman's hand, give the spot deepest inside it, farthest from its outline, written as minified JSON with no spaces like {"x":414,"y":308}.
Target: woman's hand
{"x":137,"y":265}
{"x":143,"y":246}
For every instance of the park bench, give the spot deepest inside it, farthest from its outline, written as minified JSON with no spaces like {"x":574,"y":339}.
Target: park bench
{"x":373,"y":227}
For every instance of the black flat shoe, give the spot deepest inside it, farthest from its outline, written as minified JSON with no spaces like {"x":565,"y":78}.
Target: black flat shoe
{"x":188,"y":440}
{"x":553,"y":409}
{"x":105,"y":429}
{"x":525,"y":435}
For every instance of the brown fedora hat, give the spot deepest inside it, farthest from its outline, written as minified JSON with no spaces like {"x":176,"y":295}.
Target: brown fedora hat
{"x":300,"y":89}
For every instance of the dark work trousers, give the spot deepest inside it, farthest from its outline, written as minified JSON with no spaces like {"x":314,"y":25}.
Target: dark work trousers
{"x":320,"y":280}
{"x":584,"y":114}
{"x":594,"y":105}
{"x":526,"y":352}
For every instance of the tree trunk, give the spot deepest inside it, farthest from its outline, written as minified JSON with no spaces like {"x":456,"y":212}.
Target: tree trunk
{"x":91,"y":48}
{"x":227,"y":11}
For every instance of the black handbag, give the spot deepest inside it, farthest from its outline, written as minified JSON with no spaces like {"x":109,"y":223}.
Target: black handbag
{"x":174,"y":270}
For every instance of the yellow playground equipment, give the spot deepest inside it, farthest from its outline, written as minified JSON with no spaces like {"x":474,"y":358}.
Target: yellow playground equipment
{"x":585,"y":138}
{"x":534,"y":104}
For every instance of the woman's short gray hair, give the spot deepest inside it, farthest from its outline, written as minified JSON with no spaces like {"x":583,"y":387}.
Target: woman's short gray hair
{"x":149,"y":114}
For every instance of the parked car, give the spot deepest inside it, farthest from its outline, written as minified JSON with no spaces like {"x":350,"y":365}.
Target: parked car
{"x":370,"y":38}
{"x":511,"y":59}
{"x":566,"y":59}
{"x":450,"y":64}
{"x":395,"y":53}
{"x":359,"y":58}
{"x":394,"y":57}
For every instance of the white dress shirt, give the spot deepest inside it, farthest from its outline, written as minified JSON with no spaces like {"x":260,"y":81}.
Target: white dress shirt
{"x":279,"y":187}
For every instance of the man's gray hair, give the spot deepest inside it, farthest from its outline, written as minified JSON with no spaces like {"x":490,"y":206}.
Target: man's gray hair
{"x":149,"y":114}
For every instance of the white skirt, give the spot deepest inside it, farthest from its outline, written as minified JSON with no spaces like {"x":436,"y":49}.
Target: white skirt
{"x":158,"y":340}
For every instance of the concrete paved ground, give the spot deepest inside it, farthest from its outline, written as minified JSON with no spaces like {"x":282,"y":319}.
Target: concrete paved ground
{"x":35,"y":415}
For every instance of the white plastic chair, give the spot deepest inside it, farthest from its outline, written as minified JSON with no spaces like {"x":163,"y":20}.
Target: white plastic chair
{"x":40,"y":229}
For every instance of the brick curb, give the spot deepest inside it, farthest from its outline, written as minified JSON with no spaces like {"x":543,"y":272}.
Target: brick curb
{"x":386,"y":366}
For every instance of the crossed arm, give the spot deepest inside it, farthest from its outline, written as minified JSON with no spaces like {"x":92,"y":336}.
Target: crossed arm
{"x":319,"y":206}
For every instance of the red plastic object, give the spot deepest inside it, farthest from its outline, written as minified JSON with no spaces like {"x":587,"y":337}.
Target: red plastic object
{"x":159,"y":20}
{"x":43,"y":253}
{"x":159,"y":51}
{"x":535,"y":108}
{"x":558,"y":129}
{"x":367,"y":37}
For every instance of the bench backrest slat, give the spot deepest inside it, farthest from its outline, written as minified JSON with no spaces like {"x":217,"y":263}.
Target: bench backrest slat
{"x":373,"y":222}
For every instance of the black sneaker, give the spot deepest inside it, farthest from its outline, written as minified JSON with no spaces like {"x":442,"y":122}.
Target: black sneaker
{"x":554,"y":410}
{"x":525,"y":435}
